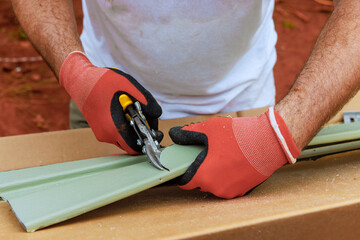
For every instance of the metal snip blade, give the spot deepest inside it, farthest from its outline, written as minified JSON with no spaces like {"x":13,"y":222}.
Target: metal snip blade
{"x":154,"y":154}
{"x":151,"y":148}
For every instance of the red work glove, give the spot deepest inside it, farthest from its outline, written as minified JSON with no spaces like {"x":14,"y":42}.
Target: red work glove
{"x":96,"y":92}
{"x":240,"y":153}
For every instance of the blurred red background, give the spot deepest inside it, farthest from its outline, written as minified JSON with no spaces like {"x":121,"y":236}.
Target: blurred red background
{"x":32,"y":101}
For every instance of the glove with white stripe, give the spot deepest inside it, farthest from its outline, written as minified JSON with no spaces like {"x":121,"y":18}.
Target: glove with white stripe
{"x":240,"y":153}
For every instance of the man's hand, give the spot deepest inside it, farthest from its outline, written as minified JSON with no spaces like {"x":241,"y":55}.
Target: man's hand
{"x":240,"y":153}
{"x":96,"y":92}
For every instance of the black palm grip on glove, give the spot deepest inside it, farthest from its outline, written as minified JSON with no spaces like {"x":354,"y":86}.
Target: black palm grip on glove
{"x":184,"y":137}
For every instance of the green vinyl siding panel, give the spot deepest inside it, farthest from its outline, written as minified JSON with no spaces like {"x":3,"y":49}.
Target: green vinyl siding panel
{"x":42,"y":196}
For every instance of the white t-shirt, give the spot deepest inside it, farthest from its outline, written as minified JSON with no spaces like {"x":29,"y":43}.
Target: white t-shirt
{"x":194,"y":56}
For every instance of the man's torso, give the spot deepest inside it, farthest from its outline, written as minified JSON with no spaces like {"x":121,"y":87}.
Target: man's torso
{"x":195,"y":57}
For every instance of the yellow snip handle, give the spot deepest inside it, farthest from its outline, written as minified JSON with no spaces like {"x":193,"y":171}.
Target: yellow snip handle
{"x":125,"y":101}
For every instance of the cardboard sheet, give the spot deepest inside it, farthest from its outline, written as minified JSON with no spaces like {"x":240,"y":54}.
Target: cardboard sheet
{"x":309,"y":200}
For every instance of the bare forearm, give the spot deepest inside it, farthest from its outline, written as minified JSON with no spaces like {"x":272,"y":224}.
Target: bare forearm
{"x":330,"y":77}
{"x":51,"y":27}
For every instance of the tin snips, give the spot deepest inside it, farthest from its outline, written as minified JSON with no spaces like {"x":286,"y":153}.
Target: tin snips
{"x":146,"y":135}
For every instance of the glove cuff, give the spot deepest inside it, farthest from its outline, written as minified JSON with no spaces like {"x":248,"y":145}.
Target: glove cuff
{"x":284,"y":136}
{"x":67,"y":65}
{"x":78,"y":76}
